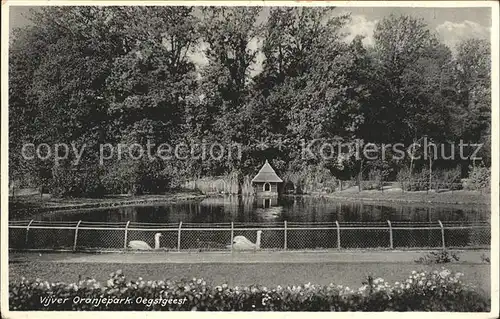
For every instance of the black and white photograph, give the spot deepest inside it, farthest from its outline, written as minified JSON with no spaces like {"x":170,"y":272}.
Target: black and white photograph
{"x":281,"y":156}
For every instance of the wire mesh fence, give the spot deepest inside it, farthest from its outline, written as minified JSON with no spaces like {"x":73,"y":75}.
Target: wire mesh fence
{"x":81,"y":235}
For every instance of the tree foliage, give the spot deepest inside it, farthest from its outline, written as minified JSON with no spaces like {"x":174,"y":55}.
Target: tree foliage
{"x":267,"y":81}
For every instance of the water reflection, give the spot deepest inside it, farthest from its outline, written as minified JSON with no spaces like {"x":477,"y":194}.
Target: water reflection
{"x":253,"y":209}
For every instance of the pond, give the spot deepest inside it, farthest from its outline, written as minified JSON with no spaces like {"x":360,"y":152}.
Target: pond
{"x":250,"y":209}
{"x":291,"y":209}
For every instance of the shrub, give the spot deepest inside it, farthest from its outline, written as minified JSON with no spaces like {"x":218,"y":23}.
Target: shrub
{"x":348,"y":184}
{"x":139,"y":177}
{"x":74,"y":182}
{"x":425,"y":291}
{"x":376,"y":178}
{"x":485,"y":258}
{"x":441,"y":179}
{"x":415,"y":181}
{"x":403,"y":177}
{"x":371,"y":185}
{"x":377,"y":175}
{"x":310,"y":179}
{"x":479,"y":178}
{"x":441,"y":257}
{"x":447,"y":179}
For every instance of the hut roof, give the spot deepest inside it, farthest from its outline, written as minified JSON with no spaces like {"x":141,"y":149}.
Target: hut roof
{"x":266,"y":174}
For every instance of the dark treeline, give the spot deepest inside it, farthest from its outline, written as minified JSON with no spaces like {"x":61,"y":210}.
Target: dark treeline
{"x":95,"y":75}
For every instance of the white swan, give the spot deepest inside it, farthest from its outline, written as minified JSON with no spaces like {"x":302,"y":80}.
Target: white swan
{"x":141,"y":245}
{"x":242,"y":243}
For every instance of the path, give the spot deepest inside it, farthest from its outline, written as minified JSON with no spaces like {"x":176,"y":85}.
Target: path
{"x":467,"y":257}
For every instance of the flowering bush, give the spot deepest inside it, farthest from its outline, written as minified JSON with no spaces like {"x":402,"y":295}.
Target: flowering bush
{"x":424,"y":291}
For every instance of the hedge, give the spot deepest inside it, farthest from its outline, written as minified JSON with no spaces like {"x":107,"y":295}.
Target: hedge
{"x":426,"y":291}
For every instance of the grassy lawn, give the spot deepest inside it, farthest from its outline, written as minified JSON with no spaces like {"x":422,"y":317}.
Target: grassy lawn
{"x":448,"y":197}
{"x":270,"y":274}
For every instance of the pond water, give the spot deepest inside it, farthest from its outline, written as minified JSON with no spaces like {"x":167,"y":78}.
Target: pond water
{"x":292,"y":209}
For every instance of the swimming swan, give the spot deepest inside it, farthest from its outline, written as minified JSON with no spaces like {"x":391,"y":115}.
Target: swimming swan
{"x":242,"y":243}
{"x":141,"y":245}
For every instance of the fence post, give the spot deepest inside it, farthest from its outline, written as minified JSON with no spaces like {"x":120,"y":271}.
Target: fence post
{"x":232,"y":235}
{"x":285,"y":239}
{"x":27,"y":230}
{"x":391,"y":243}
{"x":126,"y":235}
{"x":179,"y":237}
{"x":338,"y":234}
{"x":442,"y":233}
{"x":76,"y":234}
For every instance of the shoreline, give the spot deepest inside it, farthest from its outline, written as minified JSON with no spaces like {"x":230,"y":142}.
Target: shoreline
{"x":68,"y":204}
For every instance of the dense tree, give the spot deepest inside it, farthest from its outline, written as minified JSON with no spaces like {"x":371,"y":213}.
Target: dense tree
{"x":228,"y":33}
{"x":148,"y":87}
{"x":310,"y":84}
{"x":72,"y":50}
{"x":472,"y":87}
{"x":471,"y":116}
{"x":402,"y":46}
{"x":94,"y":75}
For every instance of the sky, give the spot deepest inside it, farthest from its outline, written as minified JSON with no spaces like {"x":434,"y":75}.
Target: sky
{"x":451,"y":25}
